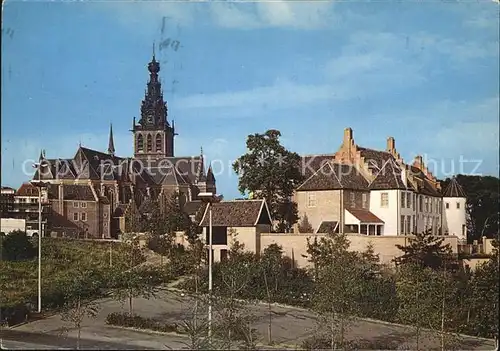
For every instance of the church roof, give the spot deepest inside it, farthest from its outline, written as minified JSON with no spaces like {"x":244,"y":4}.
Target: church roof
{"x":81,"y":192}
{"x":454,"y":189}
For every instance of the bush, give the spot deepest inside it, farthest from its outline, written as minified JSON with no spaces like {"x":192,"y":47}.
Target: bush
{"x":317,"y":342}
{"x":135,"y":321}
{"x":13,"y":315}
{"x":17,"y":247}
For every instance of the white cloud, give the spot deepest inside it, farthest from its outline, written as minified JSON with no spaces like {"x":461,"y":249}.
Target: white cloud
{"x":235,"y":15}
{"x":277,"y":14}
{"x":282,"y":94}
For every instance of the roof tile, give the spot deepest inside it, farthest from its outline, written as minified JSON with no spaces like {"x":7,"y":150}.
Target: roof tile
{"x":241,"y":213}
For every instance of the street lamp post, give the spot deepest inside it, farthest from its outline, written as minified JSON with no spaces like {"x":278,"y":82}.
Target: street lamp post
{"x":39,"y":184}
{"x":209,"y":198}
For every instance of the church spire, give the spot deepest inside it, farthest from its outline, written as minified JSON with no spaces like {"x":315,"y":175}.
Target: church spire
{"x":111,"y":144}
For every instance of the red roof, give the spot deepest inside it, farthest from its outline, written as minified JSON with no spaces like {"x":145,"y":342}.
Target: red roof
{"x":365,"y":216}
{"x":27,"y":189}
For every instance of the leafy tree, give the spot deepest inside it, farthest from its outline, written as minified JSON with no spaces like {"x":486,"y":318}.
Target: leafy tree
{"x":133,"y":220}
{"x":176,"y":219}
{"x":483,"y":197}
{"x":485,"y":292}
{"x":156,"y":223}
{"x":377,"y":288}
{"x":270,"y":171}
{"x":425,"y":250}
{"x":17,"y":246}
{"x":305,"y":226}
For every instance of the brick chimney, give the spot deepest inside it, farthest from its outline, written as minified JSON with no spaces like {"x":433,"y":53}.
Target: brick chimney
{"x":348,"y":136}
{"x":418,"y":162}
{"x":391,"y":145}
{"x":347,"y":152}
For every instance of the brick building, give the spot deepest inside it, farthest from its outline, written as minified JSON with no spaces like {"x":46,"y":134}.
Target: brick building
{"x":6,"y":201}
{"x":105,"y":183}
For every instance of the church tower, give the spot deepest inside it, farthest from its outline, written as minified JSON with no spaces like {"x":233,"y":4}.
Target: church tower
{"x":153,"y":135}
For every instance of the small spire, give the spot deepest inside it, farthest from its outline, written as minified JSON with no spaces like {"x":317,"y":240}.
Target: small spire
{"x":41,"y":155}
{"x":201,"y":151}
{"x":210,"y":174}
{"x":111,"y":144}
{"x":153,"y":50}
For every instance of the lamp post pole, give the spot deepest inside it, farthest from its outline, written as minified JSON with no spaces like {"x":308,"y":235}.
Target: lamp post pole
{"x":210,"y":259}
{"x":39,"y":245}
{"x":209,"y":198}
{"x":38,"y":166}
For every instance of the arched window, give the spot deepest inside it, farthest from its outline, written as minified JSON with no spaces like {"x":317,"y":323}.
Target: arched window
{"x":140,"y":143}
{"x":149,"y":143}
{"x":158,"y":143}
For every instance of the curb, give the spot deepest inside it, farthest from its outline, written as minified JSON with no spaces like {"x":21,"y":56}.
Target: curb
{"x":45,"y":315}
{"x":146,"y":331}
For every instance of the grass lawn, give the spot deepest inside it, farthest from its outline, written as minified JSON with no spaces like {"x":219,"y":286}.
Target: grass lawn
{"x":61,"y":257}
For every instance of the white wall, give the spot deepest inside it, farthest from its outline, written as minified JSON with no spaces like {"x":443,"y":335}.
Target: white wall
{"x":389,"y":214}
{"x":408,"y":211}
{"x":454,"y":218}
{"x":434,"y":213}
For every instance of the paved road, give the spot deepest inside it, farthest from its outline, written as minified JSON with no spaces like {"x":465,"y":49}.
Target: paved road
{"x":290,"y":327}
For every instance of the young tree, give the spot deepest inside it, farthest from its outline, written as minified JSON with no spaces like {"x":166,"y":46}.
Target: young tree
{"x":77,"y":292}
{"x":423,"y":295}
{"x":305,"y":226}
{"x":270,"y":171}
{"x":129,"y":279}
{"x":232,"y":317}
{"x":271,"y":264}
{"x":133,"y":283}
{"x":337,"y":286}
{"x":425,"y":250}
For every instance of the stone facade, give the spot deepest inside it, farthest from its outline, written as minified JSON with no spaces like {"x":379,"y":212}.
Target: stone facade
{"x":322,"y":205}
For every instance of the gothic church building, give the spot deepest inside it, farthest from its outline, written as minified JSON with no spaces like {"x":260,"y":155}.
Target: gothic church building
{"x":89,"y":194}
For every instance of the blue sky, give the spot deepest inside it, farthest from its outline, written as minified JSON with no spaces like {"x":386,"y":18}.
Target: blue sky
{"x":425,"y":73}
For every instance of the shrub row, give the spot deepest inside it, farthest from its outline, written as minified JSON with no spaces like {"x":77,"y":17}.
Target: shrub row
{"x":12,"y":315}
{"x":135,"y":321}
